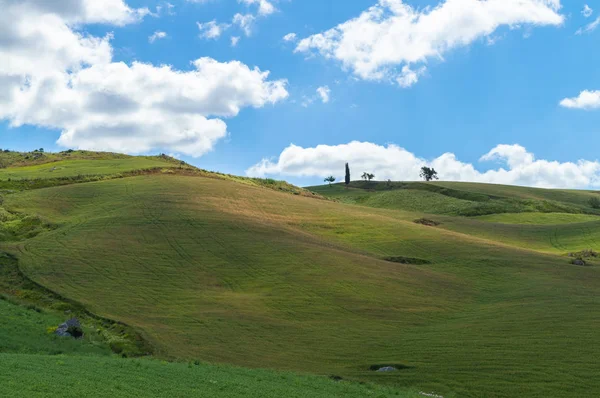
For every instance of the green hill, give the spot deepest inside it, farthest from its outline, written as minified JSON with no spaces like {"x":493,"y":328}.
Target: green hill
{"x":36,"y":363}
{"x":219,"y":269}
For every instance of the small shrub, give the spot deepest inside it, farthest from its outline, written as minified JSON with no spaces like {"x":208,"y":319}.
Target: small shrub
{"x":427,"y":222}
{"x":75,"y":331}
{"x":407,"y":260}
{"x":594,"y":202}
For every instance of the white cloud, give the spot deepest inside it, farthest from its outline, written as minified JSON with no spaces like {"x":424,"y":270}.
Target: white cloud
{"x":585,"y":100}
{"x":211,"y":29}
{"x":114,"y":12}
{"x":234,"y":41}
{"x":157,"y":35}
{"x":290,"y":37}
{"x":396,"y":163}
{"x":264,"y":6}
{"x":409,"y":77}
{"x":589,"y":28}
{"x":587,"y":11}
{"x":245,"y":22}
{"x":55,"y":77}
{"x":390,"y":35}
{"x":324,"y":93}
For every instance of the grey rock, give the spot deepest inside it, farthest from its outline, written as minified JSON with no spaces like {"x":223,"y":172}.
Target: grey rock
{"x":386,"y":369}
{"x":70,"y":328}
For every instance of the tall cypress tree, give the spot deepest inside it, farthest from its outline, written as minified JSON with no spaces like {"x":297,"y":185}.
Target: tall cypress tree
{"x":347,"y":174}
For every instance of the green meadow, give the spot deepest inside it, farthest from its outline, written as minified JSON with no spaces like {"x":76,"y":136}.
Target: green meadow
{"x":255,"y":274}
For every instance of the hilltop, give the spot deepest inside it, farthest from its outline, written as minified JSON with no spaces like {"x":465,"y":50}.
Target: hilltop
{"x":478,"y":298}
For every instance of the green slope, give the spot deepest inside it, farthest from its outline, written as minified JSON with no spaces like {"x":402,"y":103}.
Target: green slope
{"x":216,"y":270}
{"x":71,"y":168}
{"x":30,"y":331}
{"x":34,"y":362}
{"x":87,"y":376}
{"x":460,"y":199}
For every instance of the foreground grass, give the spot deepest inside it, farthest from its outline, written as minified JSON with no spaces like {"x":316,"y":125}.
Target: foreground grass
{"x":31,"y":331}
{"x":69,"y":376}
{"x":226,"y":272}
{"x":34,"y":362}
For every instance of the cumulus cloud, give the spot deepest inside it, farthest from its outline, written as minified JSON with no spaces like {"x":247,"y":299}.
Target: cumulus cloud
{"x":585,"y":100}
{"x":234,"y":41}
{"x":290,"y":37}
{"x":157,"y":35}
{"x":392,"y":35}
{"x":324,"y":93}
{"x":518,"y":166}
{"x":211,"y":29}
{"x":56,"y":77}
{"x":245,"y":22}
{"x":587,"y":11}
{"x":264,"y":6}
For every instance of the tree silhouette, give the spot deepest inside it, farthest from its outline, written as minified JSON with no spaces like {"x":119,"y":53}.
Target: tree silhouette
{"x":428,"y":173}
{"x":329,"y":179}
{"x":347,"y":174}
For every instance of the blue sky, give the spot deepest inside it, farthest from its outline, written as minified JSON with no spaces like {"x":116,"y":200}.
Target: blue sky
{"x":505,"y":84}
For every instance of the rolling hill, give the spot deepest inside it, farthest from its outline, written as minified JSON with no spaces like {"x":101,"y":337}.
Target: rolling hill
{"x":260,"y":274}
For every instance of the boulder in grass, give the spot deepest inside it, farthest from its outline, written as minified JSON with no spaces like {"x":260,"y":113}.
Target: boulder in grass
{"x":71,"y":328}
{"x":386,"y":369}
{"x":579,"y":262}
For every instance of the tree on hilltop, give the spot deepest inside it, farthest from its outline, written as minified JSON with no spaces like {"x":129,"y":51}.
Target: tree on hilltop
{"x":347,"y":174}
{"x":428,"y":173}
{"x":329,"y":179}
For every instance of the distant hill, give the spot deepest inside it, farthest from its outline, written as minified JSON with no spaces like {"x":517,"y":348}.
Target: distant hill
{"x":466,"y":289}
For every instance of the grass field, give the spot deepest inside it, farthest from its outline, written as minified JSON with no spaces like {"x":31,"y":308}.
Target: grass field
{"x":92,"y":376}
{"x":71,"y":168}
{"x":36,"y":363}
{"x":227,"y":272}
{"x":27,"y":331}
{"x":539,"y":218}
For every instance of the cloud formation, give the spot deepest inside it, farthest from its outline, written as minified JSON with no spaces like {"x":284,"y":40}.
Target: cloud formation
{"x":54,"y":76}
{"x":324,"y":93}
{"x":518,"y":166}
{"x":157,"y":35}
{"x":290,"y":37}
{"x":585,"y":100}
{"x":589,"y":28}
{"x":392,"y":41}
{"x":211,"y":29}
{"x":264,"y":6}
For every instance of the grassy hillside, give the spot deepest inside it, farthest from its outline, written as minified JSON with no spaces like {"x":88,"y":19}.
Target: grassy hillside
{"x":91,"y":376}
{"x":460,"y":199}
{"x":36,"y":363}
{"x":71,"y":168}
{"x":30,"y":331}
{"x":216,"y":268}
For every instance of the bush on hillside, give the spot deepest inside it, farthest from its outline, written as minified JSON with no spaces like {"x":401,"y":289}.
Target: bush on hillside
{"x":594,"y":202}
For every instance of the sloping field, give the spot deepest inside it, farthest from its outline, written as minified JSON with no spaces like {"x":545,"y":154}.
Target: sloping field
{"x":71,"y":168}
{"x":36,"y":363}
{"x":460,"y":199}
{"x":44,"y":376}
{"x":226,"y":272}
